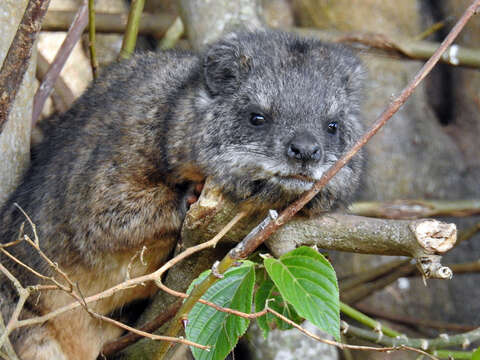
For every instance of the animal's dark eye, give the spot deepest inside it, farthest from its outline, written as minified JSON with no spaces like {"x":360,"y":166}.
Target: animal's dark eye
{"x":257,"y":120}
{"x":332,"y":127}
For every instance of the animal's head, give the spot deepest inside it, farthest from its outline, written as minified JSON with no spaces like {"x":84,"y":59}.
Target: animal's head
{"x":279,"y":111}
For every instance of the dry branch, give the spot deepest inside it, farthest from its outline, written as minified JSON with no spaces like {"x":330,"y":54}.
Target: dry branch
{"x":371,"y":274}
{"x":121,"y":343}
{"x":400,"y":47}
{"x":74,"y":33}
{"x":71,"y":289}
{"x":347,"y":346}
{"x":62,"y":96}
{"x":413,"y":209}
{"x":16,"y":62}
{"x":360,"y":292}
{"x":7,"y":346}
{"x":336,"y":231}
{"x":156,"y":25}
{"x":414,"y":321}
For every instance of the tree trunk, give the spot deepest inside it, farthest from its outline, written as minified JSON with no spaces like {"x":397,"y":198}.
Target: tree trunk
{"x":15,"y":137}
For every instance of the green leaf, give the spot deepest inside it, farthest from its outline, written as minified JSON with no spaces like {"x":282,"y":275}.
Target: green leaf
{"x":476,"y":354}
{"x":220,"y":330}
{"x":267,"y":291}
{"x":308,"y":282}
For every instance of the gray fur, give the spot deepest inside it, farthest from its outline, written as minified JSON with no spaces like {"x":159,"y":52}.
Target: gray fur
{"x":111,"y":174}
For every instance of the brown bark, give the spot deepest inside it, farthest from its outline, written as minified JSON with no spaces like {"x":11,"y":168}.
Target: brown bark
{"x":16,"y":62}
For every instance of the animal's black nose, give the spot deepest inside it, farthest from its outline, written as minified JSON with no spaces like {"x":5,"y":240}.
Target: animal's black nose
{"x":304,"y":147}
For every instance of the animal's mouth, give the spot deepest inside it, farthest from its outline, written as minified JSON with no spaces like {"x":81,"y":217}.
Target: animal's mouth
{"x":295,"y":183}
{"x":299,"y":177}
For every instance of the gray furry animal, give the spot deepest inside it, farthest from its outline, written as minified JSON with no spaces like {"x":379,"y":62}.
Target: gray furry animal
{"x":264,"y":114}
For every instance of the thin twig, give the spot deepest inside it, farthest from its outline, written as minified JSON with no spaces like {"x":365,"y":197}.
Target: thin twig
{"x":132,"y":282}
{"x":73,"y":36}
{"x":398,"y":47}
{"x":468,"y":233}
{"x":368,"y":321}
{"x":414,"y":209}
{"x":344,"y":346}
{"x":7,"y":345}
{"x":91,"y":38}
{"x":18,"y":57}
{"x":22,"y":264}
{"x":442,"y":341}
{"x":24,"y":293}
{"x":148,"y":335}
{"x":465,"y":268}
{"x":361,"y":291}
{"x":414,"y":321}
{"x":433,"y":28}
{"x":122,"y":342}
{"x":370,"y":275}
{"x":453,"y":354}
{"x":173,"y":34}
{"x":130,"y":38}
{"x":63,"y":97}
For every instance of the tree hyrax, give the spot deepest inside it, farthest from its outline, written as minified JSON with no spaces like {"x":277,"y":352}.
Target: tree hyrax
{"x":264,"y":114}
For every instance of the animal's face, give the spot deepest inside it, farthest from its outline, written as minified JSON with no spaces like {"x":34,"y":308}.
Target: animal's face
{"x":282,"y":111}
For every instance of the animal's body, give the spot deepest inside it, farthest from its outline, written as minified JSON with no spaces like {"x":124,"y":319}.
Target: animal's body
{"x":264,"y":114}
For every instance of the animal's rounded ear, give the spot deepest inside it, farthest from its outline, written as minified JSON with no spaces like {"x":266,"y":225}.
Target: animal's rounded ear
{"x":355,"y":79}
{"x":224,"y":66}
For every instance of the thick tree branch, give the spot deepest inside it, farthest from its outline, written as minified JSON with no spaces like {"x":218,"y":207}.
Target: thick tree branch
{"x":16,"y":62}
{"x":343,"y":232}
{"x":421,"y":239}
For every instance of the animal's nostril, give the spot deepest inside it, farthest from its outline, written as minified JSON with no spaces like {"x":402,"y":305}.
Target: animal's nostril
{"x":304,"y":147}
{"x":294,"y":151}
{"x":317,"y":153}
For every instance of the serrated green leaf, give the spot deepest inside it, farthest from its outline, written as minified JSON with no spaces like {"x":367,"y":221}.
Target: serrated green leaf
{"x":308,"y":282}
{"x":476,"y":354}
{"x":267,"y":291}
{"x":220,"y":330}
